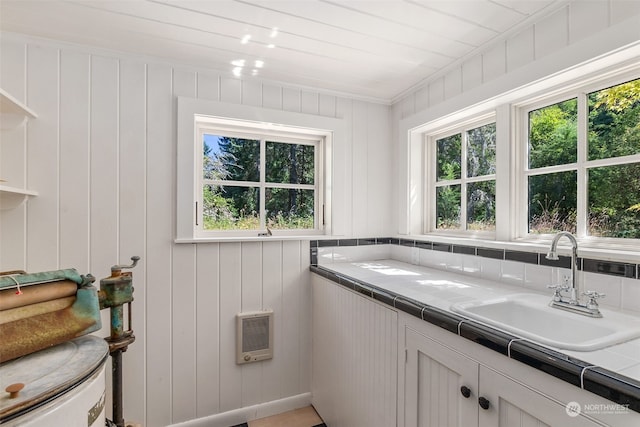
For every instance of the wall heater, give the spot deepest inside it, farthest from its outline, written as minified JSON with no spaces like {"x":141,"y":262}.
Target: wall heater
{"x":254,"y":336}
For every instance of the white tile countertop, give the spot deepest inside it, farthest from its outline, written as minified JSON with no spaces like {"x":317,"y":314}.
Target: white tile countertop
{"x":441,"y":289}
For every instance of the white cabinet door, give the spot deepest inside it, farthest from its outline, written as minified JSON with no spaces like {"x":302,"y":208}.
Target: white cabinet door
{"x":512,"y":404}
{"x":434,"y":377}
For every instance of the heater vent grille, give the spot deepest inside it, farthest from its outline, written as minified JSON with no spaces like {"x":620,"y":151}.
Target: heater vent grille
{"x":254,"y":336}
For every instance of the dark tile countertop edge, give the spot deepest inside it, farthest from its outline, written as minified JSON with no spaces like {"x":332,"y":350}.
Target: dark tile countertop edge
{"x":610,"y":385}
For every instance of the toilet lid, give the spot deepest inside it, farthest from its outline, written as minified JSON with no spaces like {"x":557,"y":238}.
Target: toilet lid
{"x":49,"y":373}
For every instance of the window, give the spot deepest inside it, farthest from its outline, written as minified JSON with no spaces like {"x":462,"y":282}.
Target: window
{"x":257,"y":179}
{"x":557,"y":153}
{"x":583,"y":164}
{"x":246,"y":172}
{"x":580,"y":171}
{"x":463,"y":188}
{"x":551,"y":172}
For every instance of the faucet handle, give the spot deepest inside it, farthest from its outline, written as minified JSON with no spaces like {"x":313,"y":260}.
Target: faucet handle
{"x":593,"y":297}
{"x":594,"y":294}
{"x":557,"y":288}
{"x":560,"y":287}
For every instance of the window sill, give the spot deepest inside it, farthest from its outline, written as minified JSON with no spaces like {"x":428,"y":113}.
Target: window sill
{"x":235,"y":239}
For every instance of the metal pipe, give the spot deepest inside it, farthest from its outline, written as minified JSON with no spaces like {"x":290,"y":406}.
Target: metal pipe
{"x":115,"y":292}
{"x":117,"y":327}
{"x":116,"y":374}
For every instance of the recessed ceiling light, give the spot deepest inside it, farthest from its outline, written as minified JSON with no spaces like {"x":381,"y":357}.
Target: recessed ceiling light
{"x":237,"y":71}
{"x":238,"y":62}
{"x":259,"y":63}
{"x":245,"y":39}
{"x":271,"y":46}
{"x":274,"y":32}
{"x":254,"y":72}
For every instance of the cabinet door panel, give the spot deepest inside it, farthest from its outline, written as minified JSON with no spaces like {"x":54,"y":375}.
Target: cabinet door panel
{"x":512,"y":405}
{"x":511,"y":415}
{"x":434,"y":375}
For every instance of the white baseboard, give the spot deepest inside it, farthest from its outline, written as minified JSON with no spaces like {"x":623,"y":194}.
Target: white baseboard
{"x":249,"y":413}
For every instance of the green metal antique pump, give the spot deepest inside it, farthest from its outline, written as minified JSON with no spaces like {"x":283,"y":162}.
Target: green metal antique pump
{"x":116,"y":291}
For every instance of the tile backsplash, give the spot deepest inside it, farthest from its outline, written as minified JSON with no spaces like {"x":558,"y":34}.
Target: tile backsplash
{"x":620,"y":281}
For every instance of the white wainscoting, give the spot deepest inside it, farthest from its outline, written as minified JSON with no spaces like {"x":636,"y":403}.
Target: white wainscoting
{"x":102,"y":156}
{"x":355,"y":364}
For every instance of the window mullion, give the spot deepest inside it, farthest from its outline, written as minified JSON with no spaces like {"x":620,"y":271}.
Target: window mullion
{"x":521,"y":170}
{"x":263,"y":174}
{"x":482,"y":178}
{"x":613,"y":161}
{"x":552,"y":169}
{"x":463,"y":179}
{"x":200,"y":181}
{"x":318,"y":203}
{"x":228,"y":183}
{"x":447,"y":183}
{"x":582,"y":173}
{"x":429,"y":201}
{"x":289,"y":186}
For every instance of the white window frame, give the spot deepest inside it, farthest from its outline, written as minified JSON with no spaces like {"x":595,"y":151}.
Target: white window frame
{"x":581,"y":166}
{"x":190,"y":111}
{"x":259,"y":132}
{"x":432,"y":182}
{"x":504,"y":99}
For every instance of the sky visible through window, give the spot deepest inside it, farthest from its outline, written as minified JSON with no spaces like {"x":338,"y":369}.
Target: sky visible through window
{"x":211,"y":142}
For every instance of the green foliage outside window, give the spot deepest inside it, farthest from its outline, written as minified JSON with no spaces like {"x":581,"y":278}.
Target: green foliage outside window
{"x":481,"y":150}
{"x":479,"y":145}
{"x":553,"y":135}
{"x":481,"y":205}
{"x":448,"y":207}
{"x":481,"y":161}
{"x":449,"y":157}
{"x":229,"y":205}
{"x":613,"y":129}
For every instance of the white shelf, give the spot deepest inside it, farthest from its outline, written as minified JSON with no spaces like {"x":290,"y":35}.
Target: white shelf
{"x":11,"y":197}
{"x":14,"y":113}
{"x":10,"y":105}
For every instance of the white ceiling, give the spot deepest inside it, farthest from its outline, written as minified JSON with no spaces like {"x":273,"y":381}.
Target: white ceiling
{"x":370,"y":48}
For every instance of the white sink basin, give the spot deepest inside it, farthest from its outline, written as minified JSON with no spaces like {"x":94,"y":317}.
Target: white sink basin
{"x":529,"y":316}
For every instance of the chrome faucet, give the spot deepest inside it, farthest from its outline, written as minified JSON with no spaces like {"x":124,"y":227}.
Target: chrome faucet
{"x":553,"y":256}
{"x":572,"y":303}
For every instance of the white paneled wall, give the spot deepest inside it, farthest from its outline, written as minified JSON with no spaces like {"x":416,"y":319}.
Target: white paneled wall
{"x":355,"y":341}
{"x":579,"y":21}
{"x":102,"y":156}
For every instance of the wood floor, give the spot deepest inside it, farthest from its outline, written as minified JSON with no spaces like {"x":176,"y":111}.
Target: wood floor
{"x":303,"y":417}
